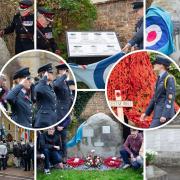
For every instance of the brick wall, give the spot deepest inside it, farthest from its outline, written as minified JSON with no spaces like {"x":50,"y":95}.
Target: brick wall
{"x":116,"y":15}
{"x":96,"y":104}
{"x":172,"y":7}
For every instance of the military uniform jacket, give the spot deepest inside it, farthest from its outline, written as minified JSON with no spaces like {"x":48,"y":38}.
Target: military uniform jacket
{"x":138,"y":36}
{"x":22,"y":44}
{"x":63,"y":94}
{"x":21,"y":106}
{"x":162,"y":102}
{"x":46,"y":104}
{"x":45,"y":39}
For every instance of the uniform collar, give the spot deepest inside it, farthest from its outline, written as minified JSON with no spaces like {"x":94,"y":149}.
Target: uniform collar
{"x":162,"y":74}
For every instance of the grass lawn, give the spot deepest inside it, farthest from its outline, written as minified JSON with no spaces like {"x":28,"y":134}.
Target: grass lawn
{"x":128,"y":174}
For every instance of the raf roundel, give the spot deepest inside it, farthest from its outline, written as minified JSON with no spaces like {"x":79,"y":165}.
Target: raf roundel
{"x":156,"y":33}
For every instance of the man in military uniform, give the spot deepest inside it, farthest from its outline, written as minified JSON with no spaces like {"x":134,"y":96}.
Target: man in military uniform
{"x":45,"y":98}
{"x":61,"y":130}
{"x":21,"y":105}
{"x":62,"y":91}
{"x":162,"y":103}
{"x":45,"y":38}
{"x":137,"y":40}
{"x":23,"y":25}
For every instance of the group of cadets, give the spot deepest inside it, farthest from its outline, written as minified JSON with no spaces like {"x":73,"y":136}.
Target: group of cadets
{"x":43,"y":103}
{"x":23,"y":26}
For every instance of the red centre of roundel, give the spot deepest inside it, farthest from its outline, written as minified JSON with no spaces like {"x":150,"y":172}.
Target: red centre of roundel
{"x":151,"y":36}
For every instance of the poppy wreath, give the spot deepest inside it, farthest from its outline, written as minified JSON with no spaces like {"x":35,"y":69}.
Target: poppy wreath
{"x":75,"y":162}
{"x":112,"y":162}
{"x":135,"y":78}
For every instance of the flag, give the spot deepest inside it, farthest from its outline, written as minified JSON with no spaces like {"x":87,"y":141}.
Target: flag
{"x":159,"y":30}
{"x":77,"y":138}
{"x":94,"y":75}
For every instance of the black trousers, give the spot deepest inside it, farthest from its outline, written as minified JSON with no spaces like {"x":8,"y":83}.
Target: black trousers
{"x":27,"y":164}
{"x":3,"y":163}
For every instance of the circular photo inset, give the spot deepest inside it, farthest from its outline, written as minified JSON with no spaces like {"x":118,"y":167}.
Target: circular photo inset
{"x":143,"y":89}
{"x":38,"y":89}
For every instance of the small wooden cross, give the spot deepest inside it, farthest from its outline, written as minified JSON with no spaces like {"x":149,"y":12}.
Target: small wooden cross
{"x":120,"y":104}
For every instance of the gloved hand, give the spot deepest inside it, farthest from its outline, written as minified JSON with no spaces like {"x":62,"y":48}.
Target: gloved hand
{"x":1,"y":33}
{"x":58,"y":52}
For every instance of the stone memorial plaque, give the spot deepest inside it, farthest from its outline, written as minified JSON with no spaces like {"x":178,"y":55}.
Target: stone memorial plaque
{"x":106,"y":129}
{"x":87,"y":132}
{"x":98,"y":144}
{"x":92,"y":44}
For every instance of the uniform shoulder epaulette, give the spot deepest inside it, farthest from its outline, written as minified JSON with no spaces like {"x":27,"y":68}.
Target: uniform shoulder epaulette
{"x":166,"y":79}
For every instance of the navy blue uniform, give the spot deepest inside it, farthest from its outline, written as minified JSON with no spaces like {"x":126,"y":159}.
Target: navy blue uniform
{"x":24,"y":29}
{"x":138,"y":36}
{"x":21,"y":106}
{"x":45,"y":39}
{"x":46,"y":104}
{"x":63,"y":134}
{"x":64,"y":100}
{"x":162,"y":102}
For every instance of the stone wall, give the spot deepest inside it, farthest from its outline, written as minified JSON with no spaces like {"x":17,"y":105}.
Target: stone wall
{"x":115,"y":15}
{"x":172,"y":6}
{"x":166,"y":142}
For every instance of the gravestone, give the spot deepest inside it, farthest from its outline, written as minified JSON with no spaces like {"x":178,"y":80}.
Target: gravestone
{"x":4,"y":53}
{"x":102,"y":134}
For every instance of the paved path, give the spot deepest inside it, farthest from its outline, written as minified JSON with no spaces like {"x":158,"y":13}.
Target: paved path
{"x":9,"y":177}
{"x":173,"y":172}
{"x":16,"y":174}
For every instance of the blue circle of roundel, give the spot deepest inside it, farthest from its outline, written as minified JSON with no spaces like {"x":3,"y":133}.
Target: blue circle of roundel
{"x":156,"y":20}
{"x":101,"y":67}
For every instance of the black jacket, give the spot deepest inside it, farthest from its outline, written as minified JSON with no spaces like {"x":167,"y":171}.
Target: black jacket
{"x":45,"y":39}
{"x":49,"y":141}
{"x":22,"y":25}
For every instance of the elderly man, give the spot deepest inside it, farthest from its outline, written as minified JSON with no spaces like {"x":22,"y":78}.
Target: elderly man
{"x":23,"y":25}
{"x":45,"y":39}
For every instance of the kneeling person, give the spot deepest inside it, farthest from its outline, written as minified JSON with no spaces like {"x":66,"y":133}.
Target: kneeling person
{"x":52,"y":150}
{"x":131,"y":149}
